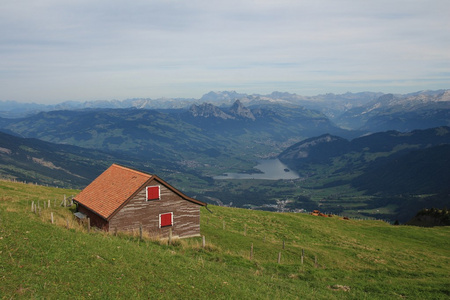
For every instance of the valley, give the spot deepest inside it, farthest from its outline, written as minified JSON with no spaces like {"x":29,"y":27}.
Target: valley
{"x":360,"y":171}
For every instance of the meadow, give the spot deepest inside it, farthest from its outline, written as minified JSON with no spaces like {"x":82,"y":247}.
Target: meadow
{"x":247,"y":255}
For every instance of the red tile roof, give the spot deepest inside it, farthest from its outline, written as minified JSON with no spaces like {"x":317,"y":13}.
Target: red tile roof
{"x":115,"y":186}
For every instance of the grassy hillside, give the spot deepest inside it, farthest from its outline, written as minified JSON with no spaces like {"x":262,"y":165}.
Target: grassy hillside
{"x":355,"y":259}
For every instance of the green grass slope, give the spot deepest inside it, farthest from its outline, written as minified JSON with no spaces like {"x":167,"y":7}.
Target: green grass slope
{"x":355,"y":259}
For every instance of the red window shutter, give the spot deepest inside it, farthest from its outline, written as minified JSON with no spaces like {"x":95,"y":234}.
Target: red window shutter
{"x":153,"y":193}
{"x":165,"y":219}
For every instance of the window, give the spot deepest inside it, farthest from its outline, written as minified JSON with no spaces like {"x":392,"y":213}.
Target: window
{"x":165,"y":220}
{"x":153,"y":193}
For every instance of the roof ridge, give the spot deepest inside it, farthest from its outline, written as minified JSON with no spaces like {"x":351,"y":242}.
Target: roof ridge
{"x":132,"y":170}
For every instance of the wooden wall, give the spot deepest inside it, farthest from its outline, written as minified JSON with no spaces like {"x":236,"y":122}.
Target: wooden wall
{"x":95,"y":219}
{"x":186,"y":215}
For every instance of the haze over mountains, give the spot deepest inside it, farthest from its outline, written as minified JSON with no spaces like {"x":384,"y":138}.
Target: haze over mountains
{"x":328,"y":139}
{"x":351,"y":109}
{"x":224,"y":98}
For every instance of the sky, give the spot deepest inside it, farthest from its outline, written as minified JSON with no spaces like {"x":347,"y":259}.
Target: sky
{"x":53,"y":51}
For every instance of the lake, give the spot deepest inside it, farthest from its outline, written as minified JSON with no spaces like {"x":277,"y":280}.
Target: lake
{"x":272,"y":169}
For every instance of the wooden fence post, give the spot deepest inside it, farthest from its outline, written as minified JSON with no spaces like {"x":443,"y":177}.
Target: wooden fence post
{"x":283,"y":244}
{"x":279,"y":257}
{"x":170,"y":236}
{"x":88,"y":224}
{"x":51,"y":216}
{"x":32,"y":206}
{"x":203,"y":242}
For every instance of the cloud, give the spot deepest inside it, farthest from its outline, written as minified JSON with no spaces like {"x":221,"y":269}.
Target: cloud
{"x":60,"y":50}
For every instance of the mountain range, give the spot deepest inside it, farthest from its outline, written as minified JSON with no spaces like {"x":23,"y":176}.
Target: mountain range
{"x":205,"y":133}
{"x":400,"y":112}
{"x":367,"y":111}
{"x":380,"y":150}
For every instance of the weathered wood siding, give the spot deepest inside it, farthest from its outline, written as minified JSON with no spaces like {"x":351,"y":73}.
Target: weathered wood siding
{"x":95,"y":219}
{"x":186,"y":215}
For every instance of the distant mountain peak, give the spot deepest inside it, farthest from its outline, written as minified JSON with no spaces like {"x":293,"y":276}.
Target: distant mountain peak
{"x":238,"y":109}
{"x":221,"y":96}
{"x":208,"y":110}
{"x":445,"y":96}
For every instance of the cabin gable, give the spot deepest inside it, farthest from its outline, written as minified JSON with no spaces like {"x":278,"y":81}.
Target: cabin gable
{"x":150,"y":212}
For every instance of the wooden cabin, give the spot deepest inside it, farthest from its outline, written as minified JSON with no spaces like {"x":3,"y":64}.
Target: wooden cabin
{"x":123,"y":199}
